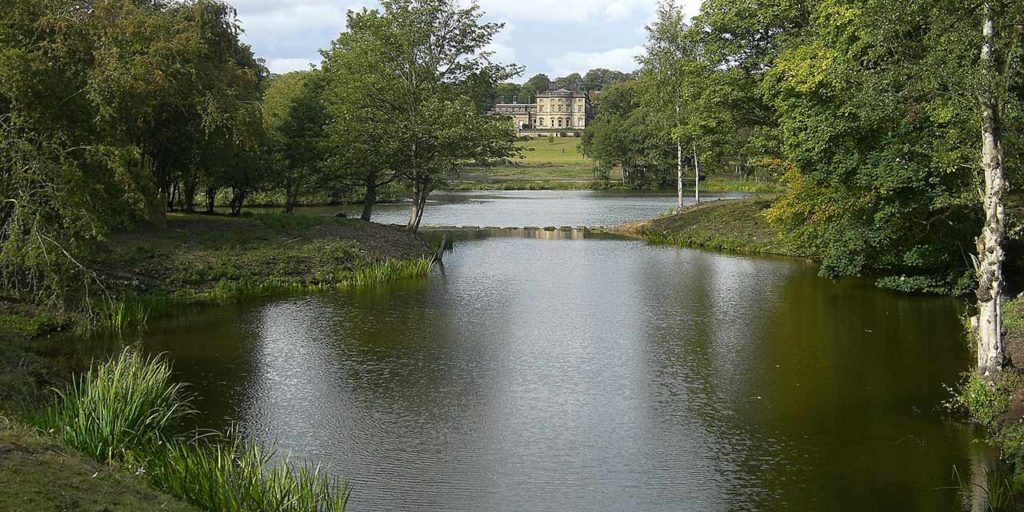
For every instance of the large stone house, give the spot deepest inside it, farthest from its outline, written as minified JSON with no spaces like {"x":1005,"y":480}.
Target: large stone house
{"x":554,"y":111}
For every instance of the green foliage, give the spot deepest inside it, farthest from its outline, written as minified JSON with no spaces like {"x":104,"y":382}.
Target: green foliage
{"x":982,"y":401}
{"x":622,"y":135}
{"x":227,"y":473}
{"x":294,"y":118}
{"x":108,"y":116}
{"x":128,"y":411}
{"x":127,"y":404}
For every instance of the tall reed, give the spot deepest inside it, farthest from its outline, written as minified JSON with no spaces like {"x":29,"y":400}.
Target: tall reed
{"x":234,"y":475}
{"x":117,"y":407}
{"x":128,"y":411}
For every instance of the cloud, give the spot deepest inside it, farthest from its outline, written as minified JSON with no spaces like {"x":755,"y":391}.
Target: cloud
{"x":286,"y":65}
{"x":564,"y":11}
{"x":619,"y":59}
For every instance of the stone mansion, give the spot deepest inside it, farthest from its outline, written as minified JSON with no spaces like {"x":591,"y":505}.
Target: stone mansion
{"x":554,"y":111}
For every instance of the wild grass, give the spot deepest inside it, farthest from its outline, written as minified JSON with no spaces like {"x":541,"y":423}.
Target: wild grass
{"x":377,"y":273}
{"x":118,"y":407}
{"x":127,"y":411}
{"x":733,"y":226}
{"x":233,"y":474}
{"x":131,"y":311}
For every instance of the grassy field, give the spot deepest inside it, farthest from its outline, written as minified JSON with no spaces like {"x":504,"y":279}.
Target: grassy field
{"x":554,"y":164}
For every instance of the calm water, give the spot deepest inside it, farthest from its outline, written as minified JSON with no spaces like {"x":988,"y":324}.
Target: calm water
{"x":530,"y":208}
{"x":590,"y":374}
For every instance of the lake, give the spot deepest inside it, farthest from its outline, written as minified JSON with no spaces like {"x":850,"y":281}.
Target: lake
{"x":562,"y":371}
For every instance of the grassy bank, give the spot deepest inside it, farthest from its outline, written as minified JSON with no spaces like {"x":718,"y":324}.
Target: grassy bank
{"x":40,"y":473}
{"x":151,"y":271}
{"x":198,"y":258}
{"x":201,"y":258}
{"x":733,"y":226}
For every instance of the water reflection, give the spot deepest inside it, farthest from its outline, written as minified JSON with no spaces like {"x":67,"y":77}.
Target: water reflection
{"x":598,"y":375}
{"x":534,"y":208}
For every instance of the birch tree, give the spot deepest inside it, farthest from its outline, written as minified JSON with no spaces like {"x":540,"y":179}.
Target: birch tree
{"x":998,"y":56}
{"x":663,"y":69}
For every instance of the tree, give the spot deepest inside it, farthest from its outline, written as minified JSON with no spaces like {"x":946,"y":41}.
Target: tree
{"x":677,"y":79}
{"x":535,"y":85}
{"x":508,"y":92}
{"x":401,"y":88}
{"x":624,"y":134}
{"x":152,"y":95}
{"x":598,"y":79}
{"x":294,"y":118}
{"x":573,"y":82}
{"x":999,"y":68}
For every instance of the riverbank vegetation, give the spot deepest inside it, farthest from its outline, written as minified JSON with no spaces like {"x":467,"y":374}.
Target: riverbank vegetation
{"x":893,"y":129}
{"x":733,"y":226}
{"x":128,"y":412}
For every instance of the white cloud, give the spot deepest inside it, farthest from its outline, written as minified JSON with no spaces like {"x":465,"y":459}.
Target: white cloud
{"x":290,"y":64}
{"x":564,"y":11}
{"x":619,"y":59}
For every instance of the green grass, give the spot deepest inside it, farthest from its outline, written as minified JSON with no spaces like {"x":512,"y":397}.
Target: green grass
{"x":560,"y":150}
{"x":544,"y":165}
{"x":214,"y":259}
{"x":230,"y":474}
{"x":127,"y":412}
{"x":41,"y":474}
{"x":116,"y":408}
{"x":732,"y":226}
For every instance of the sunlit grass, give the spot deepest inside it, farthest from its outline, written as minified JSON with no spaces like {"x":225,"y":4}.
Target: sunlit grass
{"x":232,"y":474}
{"x":128,"y":410}
{"x":117,"y":407}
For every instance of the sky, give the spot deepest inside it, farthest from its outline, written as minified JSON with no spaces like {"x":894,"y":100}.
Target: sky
{"x":554,"y":37}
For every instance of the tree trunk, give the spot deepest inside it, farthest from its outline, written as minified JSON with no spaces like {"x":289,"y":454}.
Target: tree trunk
{"x":419,"y":202}
{"x":190,"y":195}
{"x":989,"y":324}
{"x":679,"y":173}
{"x":211,"y":199}
{"x":290,"y":197}
{"x":696,"y":176}
{"x":237,"y":201}
{"x":370,"y":199}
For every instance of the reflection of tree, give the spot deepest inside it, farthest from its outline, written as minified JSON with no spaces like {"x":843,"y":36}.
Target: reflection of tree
{"x":704,"y":322}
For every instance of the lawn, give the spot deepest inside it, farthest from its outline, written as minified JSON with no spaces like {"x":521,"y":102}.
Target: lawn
{"x":544,"y":163}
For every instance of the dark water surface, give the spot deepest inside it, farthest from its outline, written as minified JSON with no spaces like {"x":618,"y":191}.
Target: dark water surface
{"x":590,"y":374}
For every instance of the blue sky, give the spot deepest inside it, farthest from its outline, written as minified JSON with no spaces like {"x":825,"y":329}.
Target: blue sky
{"x":555,"y":37}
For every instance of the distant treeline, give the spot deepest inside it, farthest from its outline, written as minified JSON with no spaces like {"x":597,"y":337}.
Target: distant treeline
{"x":594,"y":80}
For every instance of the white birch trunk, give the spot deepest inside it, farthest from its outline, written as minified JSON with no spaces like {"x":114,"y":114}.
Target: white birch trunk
{"x":989,"y":324}
{"x":679,"y":173}
{"x":679,"y":162}
{"x":696,"y":176}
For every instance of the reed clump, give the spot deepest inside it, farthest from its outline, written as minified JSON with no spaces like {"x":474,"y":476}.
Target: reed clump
{"x":128,"y":412}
